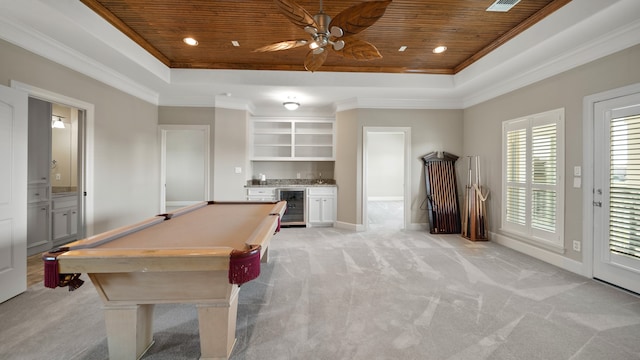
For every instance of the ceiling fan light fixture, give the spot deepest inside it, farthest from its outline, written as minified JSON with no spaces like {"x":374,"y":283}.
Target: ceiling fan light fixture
{"x":338,"y":45}
{"x":439,"y":49}
{"x":336,"y":31}
{"x":291,"y":105}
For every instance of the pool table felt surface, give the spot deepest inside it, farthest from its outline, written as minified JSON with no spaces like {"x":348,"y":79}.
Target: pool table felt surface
{"x":209,"y":231}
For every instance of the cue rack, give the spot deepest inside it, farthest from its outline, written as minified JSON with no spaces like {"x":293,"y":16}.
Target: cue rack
{"x":442,"y":193}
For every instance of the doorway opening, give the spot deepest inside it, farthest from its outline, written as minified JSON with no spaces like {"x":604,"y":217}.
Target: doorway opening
{"x":80,"y":117}
{"x":184,"y":165}
{"x":386,"y":178}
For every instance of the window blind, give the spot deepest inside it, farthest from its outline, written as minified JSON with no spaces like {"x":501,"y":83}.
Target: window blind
{"x":516,"y":203}
{"x":533,"y":164}
{"x":543,"y":177}
{"x":624,"y":186}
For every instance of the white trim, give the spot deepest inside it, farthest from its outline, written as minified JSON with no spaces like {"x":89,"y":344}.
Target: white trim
{"x":527,"y":231}
{"x":540,"y":254}
{"x":349,"y":226}
{"x":588,"y":147}
{"x":89,"y":141}
{"x":406,"y":132}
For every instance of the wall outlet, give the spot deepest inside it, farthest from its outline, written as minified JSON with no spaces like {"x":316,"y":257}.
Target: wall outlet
{"x":298,"y":176}
{"x":238,"y":170}
{"x":58,"y":177}
{"x":576,"y":245}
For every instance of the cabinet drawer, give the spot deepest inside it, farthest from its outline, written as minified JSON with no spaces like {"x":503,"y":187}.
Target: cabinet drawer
{"x":321,"y":191}
{"x":65,"y":202}
{"x":261,"y":192}
{"x":37,"y":194}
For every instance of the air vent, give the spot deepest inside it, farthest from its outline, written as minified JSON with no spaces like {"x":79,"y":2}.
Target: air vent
{"x":502,"y":5}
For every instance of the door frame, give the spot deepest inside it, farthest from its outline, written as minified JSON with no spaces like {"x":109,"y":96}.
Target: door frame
{"x":406,"y":131}
{"x":85,"y":149}
{"x":588,"y":167}
{"x":162,"y":133}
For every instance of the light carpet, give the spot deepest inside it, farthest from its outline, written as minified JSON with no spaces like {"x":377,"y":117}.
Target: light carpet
{"x":387,"y":294}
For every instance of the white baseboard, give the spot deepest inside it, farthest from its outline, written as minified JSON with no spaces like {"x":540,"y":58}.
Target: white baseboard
{"x":541,"y":254}
{"x":349,"y":226}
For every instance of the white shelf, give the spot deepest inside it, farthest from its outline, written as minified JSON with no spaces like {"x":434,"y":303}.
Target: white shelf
{"x":292,"y":139}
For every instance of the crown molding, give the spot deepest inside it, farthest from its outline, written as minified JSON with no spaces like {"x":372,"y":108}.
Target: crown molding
{"x":42,"y":45}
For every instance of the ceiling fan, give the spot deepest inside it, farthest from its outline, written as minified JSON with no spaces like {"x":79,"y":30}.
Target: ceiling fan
{"x":326,"y":32}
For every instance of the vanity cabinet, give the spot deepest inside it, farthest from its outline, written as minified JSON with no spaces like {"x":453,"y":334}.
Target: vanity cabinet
{"x":38,"y":186}
{"x":321,"y":206}
{"x":64,"y":218}
{"x":287,"y":139}
{"x":38,"y":227}
{"x":39,"y":145}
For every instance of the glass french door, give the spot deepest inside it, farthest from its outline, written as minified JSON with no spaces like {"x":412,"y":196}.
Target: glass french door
{"x":616,"y":255}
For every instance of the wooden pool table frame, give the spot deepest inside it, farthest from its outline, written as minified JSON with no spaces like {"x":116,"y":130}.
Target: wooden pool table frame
{"x":131,"y":281}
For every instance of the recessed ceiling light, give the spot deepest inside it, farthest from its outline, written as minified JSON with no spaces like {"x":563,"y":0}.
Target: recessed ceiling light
{"x":190,"y":41}
{"x":402,"y":48}
{"x":440,"y":49}
{"x":235,"y":43}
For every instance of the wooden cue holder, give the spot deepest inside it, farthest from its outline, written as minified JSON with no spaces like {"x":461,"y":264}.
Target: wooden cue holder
{"x":442,"y":193}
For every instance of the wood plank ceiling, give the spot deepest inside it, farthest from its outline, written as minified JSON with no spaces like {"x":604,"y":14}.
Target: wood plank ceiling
{"x":464,"y":26}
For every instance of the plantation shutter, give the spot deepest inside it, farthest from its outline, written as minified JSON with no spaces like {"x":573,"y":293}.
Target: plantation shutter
{"x":533,"y":161}
{"x":516,"y":201}
{"x":624,"y":212}
{"x":543,"y":177}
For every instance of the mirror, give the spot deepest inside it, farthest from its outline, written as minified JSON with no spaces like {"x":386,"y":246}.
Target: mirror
{"x":64,"y":150}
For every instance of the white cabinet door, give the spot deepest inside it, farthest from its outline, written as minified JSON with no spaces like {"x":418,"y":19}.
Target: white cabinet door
{"x":38,"y":229}
{"x":39,"y":141}
{"x":315,"y":210}
{"x":60,"y":224}
{"x":328,"y":212}
{"x":321,"y":205}
{"x":73,"y":222}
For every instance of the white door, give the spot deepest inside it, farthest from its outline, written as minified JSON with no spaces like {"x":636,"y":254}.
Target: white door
{"x":13,"y":192}
{"x":184,"y":165}
{"x":616,"y":253}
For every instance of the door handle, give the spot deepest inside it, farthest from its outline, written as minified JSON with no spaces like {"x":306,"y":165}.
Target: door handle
{"x":597,"y":203}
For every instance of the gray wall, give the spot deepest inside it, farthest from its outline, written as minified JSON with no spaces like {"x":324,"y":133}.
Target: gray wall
{"x":431,"y":130}
{"x":177,"y":115}
{"x":126,"y":162}
{"x":230,"y":151}
{"x":483,"y":127}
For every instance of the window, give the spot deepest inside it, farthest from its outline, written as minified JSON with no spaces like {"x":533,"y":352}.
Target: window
{"x":533,"y":182}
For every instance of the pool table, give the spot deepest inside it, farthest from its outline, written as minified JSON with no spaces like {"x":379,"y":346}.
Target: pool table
{"x":198,"y":254}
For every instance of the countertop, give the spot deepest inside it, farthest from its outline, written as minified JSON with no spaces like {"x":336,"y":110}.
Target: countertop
{"x":291,"y":183}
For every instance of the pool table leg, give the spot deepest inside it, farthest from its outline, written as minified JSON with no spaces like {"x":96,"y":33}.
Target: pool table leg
{"x":217,"y":323}
{"x":129,"y":330}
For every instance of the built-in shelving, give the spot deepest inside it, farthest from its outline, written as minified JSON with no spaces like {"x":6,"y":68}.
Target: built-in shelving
{"x":292,"y":139}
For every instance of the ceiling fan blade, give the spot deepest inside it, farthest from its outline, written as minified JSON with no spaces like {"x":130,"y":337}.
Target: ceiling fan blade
{"x":283,"y":45}
{"x":359,"y":17}
{"x":313,"y":61}
{"x":359,"y":50}
{"x":295,"y":13}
